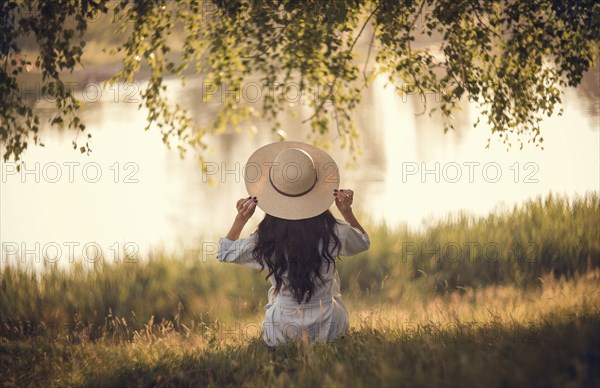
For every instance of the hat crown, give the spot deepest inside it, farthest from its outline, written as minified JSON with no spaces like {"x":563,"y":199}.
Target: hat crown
{"x":291,"y":180}
{"x":293,"y":172}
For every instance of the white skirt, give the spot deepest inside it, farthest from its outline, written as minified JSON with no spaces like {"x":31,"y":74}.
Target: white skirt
{"x":322,"y":319}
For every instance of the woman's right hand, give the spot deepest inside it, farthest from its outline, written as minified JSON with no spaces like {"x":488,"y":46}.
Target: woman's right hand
{"x":343,"y":200}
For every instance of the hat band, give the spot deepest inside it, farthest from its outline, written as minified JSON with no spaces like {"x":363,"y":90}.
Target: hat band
{"x":292,"y":195}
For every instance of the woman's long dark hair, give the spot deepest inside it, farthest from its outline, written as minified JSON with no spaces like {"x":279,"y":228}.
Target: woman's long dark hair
{"x":293,"y":245}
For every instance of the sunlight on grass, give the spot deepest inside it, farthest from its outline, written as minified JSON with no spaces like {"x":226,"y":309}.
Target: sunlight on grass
{"x":417,"y":317}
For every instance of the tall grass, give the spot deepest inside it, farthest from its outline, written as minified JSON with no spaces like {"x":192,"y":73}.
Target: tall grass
{"x":553,"y":235}
{"x":495,"y":336}
{"x":420,"y":315}
{"x":161,"y":288}
{"x":561,"y":238}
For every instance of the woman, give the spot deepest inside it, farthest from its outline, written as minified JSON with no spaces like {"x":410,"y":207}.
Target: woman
{"x":298,"y":240}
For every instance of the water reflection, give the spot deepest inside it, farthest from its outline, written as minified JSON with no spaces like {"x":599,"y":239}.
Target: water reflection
{"x":410,"y":171}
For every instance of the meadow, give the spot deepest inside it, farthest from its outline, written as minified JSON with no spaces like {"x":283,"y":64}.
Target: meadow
{"x":507,"y":299}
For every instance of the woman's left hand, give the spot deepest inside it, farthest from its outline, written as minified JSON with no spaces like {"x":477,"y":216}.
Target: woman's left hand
{"x":245,"y":208}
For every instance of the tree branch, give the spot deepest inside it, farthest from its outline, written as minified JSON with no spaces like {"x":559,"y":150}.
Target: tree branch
{"x":412,"y":25}
{"x":411,"y":72}
{"x":266,"y":50}
{"x":364,"y":72}
{"x":337,"y":76}
{"x":481,"y":21}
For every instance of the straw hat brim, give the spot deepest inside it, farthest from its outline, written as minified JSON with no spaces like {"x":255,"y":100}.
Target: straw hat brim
{"x":311,"y":204}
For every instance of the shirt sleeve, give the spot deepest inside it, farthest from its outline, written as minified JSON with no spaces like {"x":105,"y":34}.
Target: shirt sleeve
{"x":352,"y":240}
{"x":238,"y":251}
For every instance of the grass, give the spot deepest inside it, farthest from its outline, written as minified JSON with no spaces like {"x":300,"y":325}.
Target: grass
{"x":496,"y":336}
{"x":419,"y":316}
{"x":516,"y":246}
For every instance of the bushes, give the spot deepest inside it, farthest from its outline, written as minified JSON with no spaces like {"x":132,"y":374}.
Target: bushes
{"x":552,"y":235}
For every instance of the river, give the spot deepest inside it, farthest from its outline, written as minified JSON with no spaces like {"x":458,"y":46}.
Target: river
{"x":132,"y":193}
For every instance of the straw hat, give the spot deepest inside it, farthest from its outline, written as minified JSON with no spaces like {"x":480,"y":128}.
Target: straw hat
{"x":292,"y":180}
